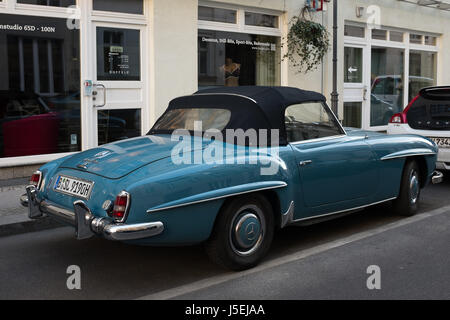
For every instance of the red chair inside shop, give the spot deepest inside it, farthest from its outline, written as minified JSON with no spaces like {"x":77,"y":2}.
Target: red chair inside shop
{"x":31,"y":136}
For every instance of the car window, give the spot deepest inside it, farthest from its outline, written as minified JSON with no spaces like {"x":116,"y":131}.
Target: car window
{"x":308,"y":121}
{"x":185,"y":119}
{"x":429,"y":114}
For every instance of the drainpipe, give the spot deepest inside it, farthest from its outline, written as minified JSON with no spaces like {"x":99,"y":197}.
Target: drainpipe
{"x":334,"y":94}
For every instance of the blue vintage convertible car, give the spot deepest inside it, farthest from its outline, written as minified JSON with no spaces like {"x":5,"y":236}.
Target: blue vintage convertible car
{"x":199,"y":176}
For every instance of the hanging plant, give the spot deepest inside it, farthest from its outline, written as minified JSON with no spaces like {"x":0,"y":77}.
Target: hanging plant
{"x":307,"y":43}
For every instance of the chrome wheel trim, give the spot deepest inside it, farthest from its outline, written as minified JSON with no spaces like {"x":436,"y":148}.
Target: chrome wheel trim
{"x":414,"y":187}
{"x":242,"y":215}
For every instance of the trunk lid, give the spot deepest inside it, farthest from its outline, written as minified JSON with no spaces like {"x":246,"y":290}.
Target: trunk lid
{"x":118,"y":159}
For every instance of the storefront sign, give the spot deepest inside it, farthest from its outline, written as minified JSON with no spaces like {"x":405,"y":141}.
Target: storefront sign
{"x":255,"y":45}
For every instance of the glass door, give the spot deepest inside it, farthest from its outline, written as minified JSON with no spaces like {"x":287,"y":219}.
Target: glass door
{"x":118,"y":96}
{"x":387,"y":84}
{"x":355,"y":89}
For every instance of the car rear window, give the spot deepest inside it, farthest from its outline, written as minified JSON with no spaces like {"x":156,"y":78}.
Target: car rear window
{"x":184,"y":119}
{"x":431,"y":112}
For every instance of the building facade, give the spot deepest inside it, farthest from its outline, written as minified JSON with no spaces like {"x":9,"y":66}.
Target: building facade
{"x":76,"y":74}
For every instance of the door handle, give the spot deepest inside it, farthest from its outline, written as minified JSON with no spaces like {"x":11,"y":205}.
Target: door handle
{"x":305,"y":163}
{"x":104,"y":96}
{"x":365,"y":93}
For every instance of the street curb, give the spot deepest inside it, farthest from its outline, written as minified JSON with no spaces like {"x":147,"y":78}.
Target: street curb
{"x":28,"y":226}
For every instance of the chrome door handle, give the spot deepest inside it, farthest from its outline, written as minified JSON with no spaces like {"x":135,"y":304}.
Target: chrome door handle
{"x":306,"y":162}
{"x":104,"y":95}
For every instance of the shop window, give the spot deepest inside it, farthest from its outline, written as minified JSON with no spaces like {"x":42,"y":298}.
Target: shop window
{"x":354,"y":31}
{"x":261,"y":20}
{"x":237,"y":59}
{"x":422,"y":71}
{"x":39,"y":87}
{"x":396,"y":36}
{"x":52,"y":3}
{"x":118,"y":54}
{"x":353,"y":58}
{"x":415,"y":38}
{"x":386,"y":97}
{"x":122,"y":6}
{"x":216,"y":14}
{"x":378,"y":34}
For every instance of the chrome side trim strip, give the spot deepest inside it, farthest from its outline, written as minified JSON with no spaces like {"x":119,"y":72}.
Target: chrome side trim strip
{"x":225,"y":94}
{"x":342,"y":211}
{"x":318,"y":139}
{"x":282,"y":185}
{"x":388,"y":157}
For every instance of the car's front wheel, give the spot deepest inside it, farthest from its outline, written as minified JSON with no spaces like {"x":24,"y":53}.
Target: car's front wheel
{"x":407,"y":203}
{"x":243,"y":233}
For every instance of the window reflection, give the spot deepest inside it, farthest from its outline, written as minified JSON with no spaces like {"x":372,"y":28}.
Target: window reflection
{"x":53,"y":3}
{"x":119,"y":124}
{"x":118,"y":54}
{"x":387,"y":85}
{"x":123,"y":6}
{"x":353,"y":65}
{"x":261,"y":20}
{"x":422,"y":70}
{"x":216,"y":14}
{"x":39,"y":87}
{"x":353,"y":114}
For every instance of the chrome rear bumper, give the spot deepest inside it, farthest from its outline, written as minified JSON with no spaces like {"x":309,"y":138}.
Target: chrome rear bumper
{"x":85,"y":223}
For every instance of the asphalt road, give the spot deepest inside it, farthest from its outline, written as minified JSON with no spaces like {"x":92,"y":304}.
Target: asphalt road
{"x":326,"y":261}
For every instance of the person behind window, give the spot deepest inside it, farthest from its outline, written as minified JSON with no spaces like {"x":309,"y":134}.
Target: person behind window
{"x":232,"y":72}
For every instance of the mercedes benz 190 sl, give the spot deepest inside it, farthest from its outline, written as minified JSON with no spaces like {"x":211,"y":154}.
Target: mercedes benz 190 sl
{"x":171,"y":187}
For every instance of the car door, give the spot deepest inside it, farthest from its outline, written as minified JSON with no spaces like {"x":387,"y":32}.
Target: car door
{"x":334,"y":168}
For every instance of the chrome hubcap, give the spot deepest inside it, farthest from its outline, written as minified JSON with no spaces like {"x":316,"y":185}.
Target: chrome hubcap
{"x":247,"y":230}
{"x":414,"y":187}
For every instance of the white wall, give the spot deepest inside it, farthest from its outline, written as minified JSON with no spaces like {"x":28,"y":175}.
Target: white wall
{"x":173,"y":52}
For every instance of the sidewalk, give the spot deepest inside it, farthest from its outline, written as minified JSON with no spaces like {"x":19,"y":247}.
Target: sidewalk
{"x":14,"y":217}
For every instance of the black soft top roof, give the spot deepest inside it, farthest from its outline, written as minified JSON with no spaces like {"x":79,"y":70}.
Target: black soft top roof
{"x":252,"y":107}
{"x":268,"y":97}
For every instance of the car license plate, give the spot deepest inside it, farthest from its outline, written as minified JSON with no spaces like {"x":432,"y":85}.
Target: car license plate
{"x":442,"y":142}
{"x":74,"y":187}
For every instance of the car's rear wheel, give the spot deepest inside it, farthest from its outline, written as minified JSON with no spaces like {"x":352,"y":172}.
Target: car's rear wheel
{"x":407,"y":203}
{"x":243,"y":233}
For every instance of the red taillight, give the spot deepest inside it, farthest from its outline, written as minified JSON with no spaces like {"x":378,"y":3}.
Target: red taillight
{"x":398,"y":118}
{"x":121,"y":205}
{"x":36,"y":179}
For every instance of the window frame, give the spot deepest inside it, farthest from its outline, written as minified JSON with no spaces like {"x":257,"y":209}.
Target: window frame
{"x":326,"y":107}
{"x":240,"y":25}
{"x":368,"y":43}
